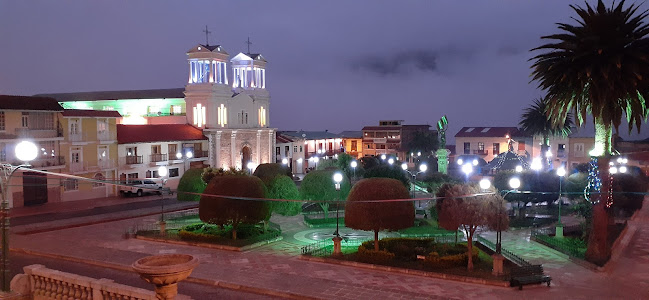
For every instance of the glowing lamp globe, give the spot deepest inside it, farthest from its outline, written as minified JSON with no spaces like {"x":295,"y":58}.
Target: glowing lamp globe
{"x":404,"y":166}
{"x":619,"y":160}
{"x":467,"y":169}
{"x":26,"y":151}
{"x":284,"y":161}
{"x":561,"y":172}
{"x":536,"y":164}
{"x":316,"y":159}
{"x":338,"y":177}
{"x":353,"y":164}
{"x":391,"y":160}
{"x":299,"y":160}
{"x":514,"y":183}
{"x":162,"y":171}
{"x":179,"y":155}
{"x":423,"y":168}
{"x":622,"y":169}
{"x":485,"y":183}
{"x":383,"y":156}
{"x":613,"y":170}
{"x":519,"y":169}
{"x":475,"y":162}
{"x":189,"y":154}
{"x":459,"y":162}
{"x":250,"y":165}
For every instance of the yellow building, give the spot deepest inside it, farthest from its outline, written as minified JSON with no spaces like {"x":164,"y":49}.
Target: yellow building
{"x":34,"y":119}
{"x":90,"y":148}
{"x":353,"y":143}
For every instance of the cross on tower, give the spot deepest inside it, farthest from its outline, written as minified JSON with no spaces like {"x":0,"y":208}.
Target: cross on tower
{"x":249,"y":43}
{"x":207,"y":32}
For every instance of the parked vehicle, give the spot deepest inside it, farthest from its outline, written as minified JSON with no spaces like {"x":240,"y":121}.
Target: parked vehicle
{"x":140,"y":187}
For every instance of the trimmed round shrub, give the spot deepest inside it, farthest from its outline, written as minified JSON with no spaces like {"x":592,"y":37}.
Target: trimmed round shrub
{"x":387,"y":171}
{"x":191,"y":182}
{"x":283,"y":187}
{"x":209,"y":173}
{"x":223,"y":211}
{"x":377,"y":216}
{"x":266,"y":172}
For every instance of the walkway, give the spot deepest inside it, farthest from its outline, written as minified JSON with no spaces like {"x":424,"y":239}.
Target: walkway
{"x":282,"y":271}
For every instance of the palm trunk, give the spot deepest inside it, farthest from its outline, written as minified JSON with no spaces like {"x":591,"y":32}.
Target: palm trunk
{"x":545,"y":147}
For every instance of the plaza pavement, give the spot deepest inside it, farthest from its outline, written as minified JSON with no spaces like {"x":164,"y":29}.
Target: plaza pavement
{"x":275,"y":269}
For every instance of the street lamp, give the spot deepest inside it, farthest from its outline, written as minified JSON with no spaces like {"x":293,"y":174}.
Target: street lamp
{"x":467,"y":169}
{"x":338,"y":177}
{"x":354,"y":164}
{"x":514,"y":184}
{"x":250,"y":165}
{"x":383,"y":156}
{"x":25,"y":151}
{"x":188,"y":155}
{"x":485,"y":184}
{"x":519,"y":169}
{"x":561,"y":171}
{"x":422,"y":169}
{"x":536,"y":165}
{"x":391,"y":161}
{"x":316,"y":160}
{"x":162,"y":172}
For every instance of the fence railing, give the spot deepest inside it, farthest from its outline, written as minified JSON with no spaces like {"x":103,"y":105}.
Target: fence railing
{"x":544,"y":237}
{"x":324,"y":247}
{"x":506,"y":253}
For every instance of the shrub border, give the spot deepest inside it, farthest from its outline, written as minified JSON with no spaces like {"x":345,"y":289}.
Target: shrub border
{"x":210,"y":245}
{"x":406,"y":271}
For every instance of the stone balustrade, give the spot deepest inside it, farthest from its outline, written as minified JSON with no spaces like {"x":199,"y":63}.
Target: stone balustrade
{"x":41,"y":283}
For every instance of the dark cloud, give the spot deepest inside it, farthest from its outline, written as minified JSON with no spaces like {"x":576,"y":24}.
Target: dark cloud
{"x":399,"y":63}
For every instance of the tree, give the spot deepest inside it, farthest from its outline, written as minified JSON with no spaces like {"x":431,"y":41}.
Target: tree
{"x":535,"y":121}
{"x":460,"y":206}
{"x":283,"y":187}
{"x":377,"y":216}
{"x":267,"y":172}
{"x":598,"y":67}
{"x":369,"y":162}
{"x":388,"y":171}
{"x":209,"y":173}
{"x":318,"y":186}
{"x":191,"y":185}
{"x":223,"y":211}
{"x":423,"y":141}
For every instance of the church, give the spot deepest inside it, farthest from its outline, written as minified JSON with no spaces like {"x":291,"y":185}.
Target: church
{"x":226,"y":98}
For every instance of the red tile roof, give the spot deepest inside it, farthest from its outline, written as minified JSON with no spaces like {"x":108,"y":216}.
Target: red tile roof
{"x":29,"y":103}
{"x":281,"y":139}
{"x":490,"y":132}
{"x":127,"y":134}
{"x":91,"y":113}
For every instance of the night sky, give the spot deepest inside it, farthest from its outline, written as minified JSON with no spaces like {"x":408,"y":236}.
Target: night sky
{"x":336,"y":65}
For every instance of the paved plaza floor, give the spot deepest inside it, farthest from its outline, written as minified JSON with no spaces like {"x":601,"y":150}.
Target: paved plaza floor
{"x":277,"y":267}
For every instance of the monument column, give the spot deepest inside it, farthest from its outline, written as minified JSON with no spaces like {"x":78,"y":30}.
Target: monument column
{"x":233,"y":149}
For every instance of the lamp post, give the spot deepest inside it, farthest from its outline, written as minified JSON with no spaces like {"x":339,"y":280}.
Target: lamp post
{"x":354,"y":164}
{"x":391,"y":161}
{"x":383,"y":157}
{"x":338,"y":177}
{"x":514,"y":184}
{"x":467,"y":169}
{"x":422,"y":169}
{"x":25,"y":151}
{"x":316,"y":160}
{"x":558,"y":233}
{"x":250,"y":165}
{"x":162,"y":172}
{"x":187,"y":156}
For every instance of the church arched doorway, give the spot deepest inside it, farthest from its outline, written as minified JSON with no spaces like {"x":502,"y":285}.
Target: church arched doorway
{"x":246,"y":156}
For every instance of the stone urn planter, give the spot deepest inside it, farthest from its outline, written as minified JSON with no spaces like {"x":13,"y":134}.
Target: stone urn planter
{"x":165,"y":271}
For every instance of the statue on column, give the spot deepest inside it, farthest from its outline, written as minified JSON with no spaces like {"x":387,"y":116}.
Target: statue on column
{"x":442,"y":153}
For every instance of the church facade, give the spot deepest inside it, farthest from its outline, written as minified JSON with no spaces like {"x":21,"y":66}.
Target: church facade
{"x":231,"y":109}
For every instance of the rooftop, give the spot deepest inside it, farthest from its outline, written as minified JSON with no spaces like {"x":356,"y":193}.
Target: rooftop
{"x":91,"y":113}
{"x":29,"y":103}
{"x":311,"y":135}
{"x":490,"y":132}
{"x":127,"y":134}
{"x":117,"y":95}
{"x":351,"y":134}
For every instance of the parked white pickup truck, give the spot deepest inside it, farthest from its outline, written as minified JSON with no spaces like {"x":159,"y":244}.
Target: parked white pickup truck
{"x":140,"y":187}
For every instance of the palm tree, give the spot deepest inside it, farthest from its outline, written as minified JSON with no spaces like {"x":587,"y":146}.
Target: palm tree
{"x":535,"y":121}
{"x":600,"y":67}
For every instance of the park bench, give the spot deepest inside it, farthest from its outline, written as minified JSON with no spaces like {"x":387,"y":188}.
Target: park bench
{"x":521,"y":276}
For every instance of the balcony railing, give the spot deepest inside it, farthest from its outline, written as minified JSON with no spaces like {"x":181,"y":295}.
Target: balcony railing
{"x":77,"y":167}
{"x":481,"y":152}
{"x":158,"y":157}
{"x":51,"y":161}
{"x":106,"y":135}
{"x":106,"y":164}
{"x":77,"y":137}
{"x":37,"y":132}
{"x":201,"y":153}
{"x":133,"y":159}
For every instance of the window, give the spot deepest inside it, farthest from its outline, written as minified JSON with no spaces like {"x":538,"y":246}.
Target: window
{"x":132,"y":176}
{"x":70,"y":185}
{"x":131,"y":151}
{"x":579,"y":149}
{"x":3,"y":152}
{"x":286,"y":150}
{"x":46,"y":149}
{"x":156,"y":149}
{"x":75,"y":155}
{"x":561,"y":150}
{"x":147,"y":174}
{"x":300,"y":149}
{"x":496,"y":148}
{"x":294,"y":149}
{"x":354,"y":145}
{"x":172,"y":149}
{"x":75,"y":126}
{"x":173,"y":172}
{"x":175,"y":110}
{"x":2,"y":120}
{"x":102,"y":126}
{"x":278,"y":151}
{"x":25,"y":120}
{"x":39,"y":120}
{"x":521,"y":146}
{"x":481,"y":146}
{"x":467,"y":148}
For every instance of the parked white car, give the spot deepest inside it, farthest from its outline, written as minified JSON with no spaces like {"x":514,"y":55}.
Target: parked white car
{"x":140,"y":187}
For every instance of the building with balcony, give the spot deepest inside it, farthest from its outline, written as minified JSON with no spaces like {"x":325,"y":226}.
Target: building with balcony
{"x":292,"y":149}
{"x":90,"y":149}
{"x":488,"y":142}
{"x":321,"y":144}
{"x":36,"y":119}
{"x":142,"y":149}
{"x":391,"y":138}
{"x":352,"y":143}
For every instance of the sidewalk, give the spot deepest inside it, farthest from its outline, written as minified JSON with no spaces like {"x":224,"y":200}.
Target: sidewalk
{"x":78,"y":205}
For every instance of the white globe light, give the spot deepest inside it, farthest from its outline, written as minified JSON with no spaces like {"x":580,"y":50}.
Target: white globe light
{"x":338,"y":177}
{"x":353,"y":164}
{"x":467,"y":169}
{"x":548,"y":154}
{"x":316,"y":159}
{"x":383,"y":156}
{"x":613,"y":170}
{"x":284,"y":161}
{"x":418,"y":153}
{"x":299,"y":160}
{"x":423,"y":168}
{"x":391,"y":160}
{"x":189,"y":154}
{"x":179,"y":155}
{"x":459,"y":161}
{"x":519,"y":169}
{"x":619,"y":160}
{"x":622,"y":169}
{"x":624,"y":160}
{"x":536,"y":164}
{"x":404,"y":166}
{"x":162,"y":171}
{"x":475,"y":162}
{"x":250,"y":165}
{"x":514,"y":183}
{"x":26,"y":151}
{"x":561,"y":172}
{"x":485,"y":183}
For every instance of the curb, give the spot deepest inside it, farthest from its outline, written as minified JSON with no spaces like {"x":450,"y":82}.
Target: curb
{"x":406,"y":271}
{"x":211,"y":246}
{"x":209,"y":282}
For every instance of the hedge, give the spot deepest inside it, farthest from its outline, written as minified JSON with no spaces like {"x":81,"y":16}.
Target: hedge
{"x":191,"y":182}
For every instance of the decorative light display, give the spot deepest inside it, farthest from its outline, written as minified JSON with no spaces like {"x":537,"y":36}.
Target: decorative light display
{"x":594,"y":181}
